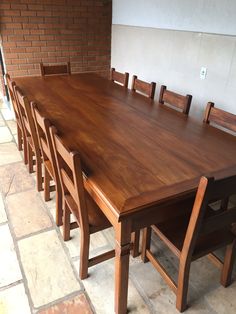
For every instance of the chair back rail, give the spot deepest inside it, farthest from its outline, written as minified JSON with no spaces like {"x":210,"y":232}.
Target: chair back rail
{"x":27,"y":118}
{"x":220,"y":117}
{"x":209,"y":190}
{"x":176,"y":100}
{"x":55,"y":69}
{"x":72,"y":180}
{"x":143,"y":87}
{"x":122,"y":78}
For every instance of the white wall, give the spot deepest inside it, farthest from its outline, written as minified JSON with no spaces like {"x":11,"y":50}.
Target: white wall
{"x":174,"y":58}
{"x":211,"y":16}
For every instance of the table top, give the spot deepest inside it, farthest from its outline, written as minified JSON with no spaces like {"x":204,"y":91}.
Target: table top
{"x":135,"y":151}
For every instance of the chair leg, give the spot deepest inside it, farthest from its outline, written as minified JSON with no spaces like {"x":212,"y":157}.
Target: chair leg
{"x":25,"y":151}
{"x":226,"y":273}
{"x":84,"y":254}
{"x":135,"y":236}
{"x":19,"y":137}
{"x":146,"y":243}
{"x":30,"y":158}
{"x":59,"y":209}
{"x":66,"y":223}
{"x":39,"y":175}
{"x":46,"y":185}
{"x":182,"y":288}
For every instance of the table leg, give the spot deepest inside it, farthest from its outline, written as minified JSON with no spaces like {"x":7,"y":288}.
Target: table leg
{"x":123,"y":246}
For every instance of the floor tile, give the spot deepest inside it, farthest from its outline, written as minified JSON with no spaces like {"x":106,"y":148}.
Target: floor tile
{"x":14,"y":301}
{"x":7,"y":114}
{"x":98,"y":243}
{"x":9,"y":153}
{"x":46,"y":266}
{"x":2,"y":103}
{"x":12,"y":125}
{"x":15,"y":178}
{"x":2,"y":122}
{"x":222,"y":300}
{"x":5,"y":135}
{"x":78,"y":304}
{"x":100,"y":288}
{"x":9,"y":270}
{"x":3,"y":216}
{"x":27,"y":213}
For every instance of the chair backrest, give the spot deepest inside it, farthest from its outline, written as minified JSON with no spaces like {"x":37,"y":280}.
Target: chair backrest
{"x":70,"y":174}
{"x":122,"y":78}
{"x":201,"y":222}
{"x":220,"y":117}
{"x":55,"y":69}
{"x":27,"y":118}
{"x":145,"y":88}
{"x":178,"y":101}
{"x":11,"y":88}
{"x":42,"y":125}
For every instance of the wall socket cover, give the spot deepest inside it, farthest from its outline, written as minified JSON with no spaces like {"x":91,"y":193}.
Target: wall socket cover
{"x":203,"y":73}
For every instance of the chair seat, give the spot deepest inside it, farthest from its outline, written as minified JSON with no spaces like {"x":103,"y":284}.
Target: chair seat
{"x":97,"y":220}
{"x":173,"y":232}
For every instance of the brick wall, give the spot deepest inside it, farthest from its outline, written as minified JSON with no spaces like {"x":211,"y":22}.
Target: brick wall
{"x":54,"y":31}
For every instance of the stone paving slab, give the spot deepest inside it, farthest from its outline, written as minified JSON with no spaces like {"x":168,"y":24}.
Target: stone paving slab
{"x":14,"y":301}
{"x":49,"y":274}
{"x":5,"y":135}
{"x":100,"y":288}
{"x":3,"y":216}
{"x":12,"y":126}
{"x":9,"y":270}
{"x":9,"y":153}
{"x":15,"y":178}
{"x":77,"y":305}
{"x":27,"y":213}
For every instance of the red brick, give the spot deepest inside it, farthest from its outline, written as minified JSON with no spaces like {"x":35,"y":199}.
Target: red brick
{"x":56,"y":31}
{"x":28,"y":13}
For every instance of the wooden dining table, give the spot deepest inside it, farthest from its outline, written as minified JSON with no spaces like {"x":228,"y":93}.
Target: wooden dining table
{"x":139,"y":156}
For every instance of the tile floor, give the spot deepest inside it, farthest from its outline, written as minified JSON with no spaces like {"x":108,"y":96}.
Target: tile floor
{"x":39,"y":272}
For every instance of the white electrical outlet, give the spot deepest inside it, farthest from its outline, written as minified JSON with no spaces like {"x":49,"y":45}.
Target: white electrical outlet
{"x":203,"y":73}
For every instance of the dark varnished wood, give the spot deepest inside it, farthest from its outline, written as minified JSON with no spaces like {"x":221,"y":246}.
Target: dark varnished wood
{"x":146,"y":148}
{"x":137,"y":156}
{"x":220,"y":117}
{"x":88,"y":215}
{"x":42,"y":126}
{"x":196,"y":233}
{"x":122,"y":78}
{"x":21,"y":138}
{"x":55,"y":69}
{"x":176,"y":100}
{"x":143,"y":87}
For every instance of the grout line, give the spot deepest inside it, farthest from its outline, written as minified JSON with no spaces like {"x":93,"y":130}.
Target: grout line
{"x":19,"y":258}
{"x":53,"y":227}
{"x":34,"y":233}
{"x":69,"y":258}
{"x":3,"y":223}
{"x":13,"y":284}
{"x":57,"y":301}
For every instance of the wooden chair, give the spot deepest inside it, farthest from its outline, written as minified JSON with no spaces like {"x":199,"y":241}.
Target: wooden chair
{"x":178,"y":101}
{"x":55,"y":69}
{"x":122,"y":78}
{"x":50,"y":168}
{"x":76,"y":199}
{"x":20,"y":130}
{"x":31,"y":136}
{"x":145,"y":88}
{"x":226,"y":120}
{"x":196,"y":234}
{"x":220,"y":117}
